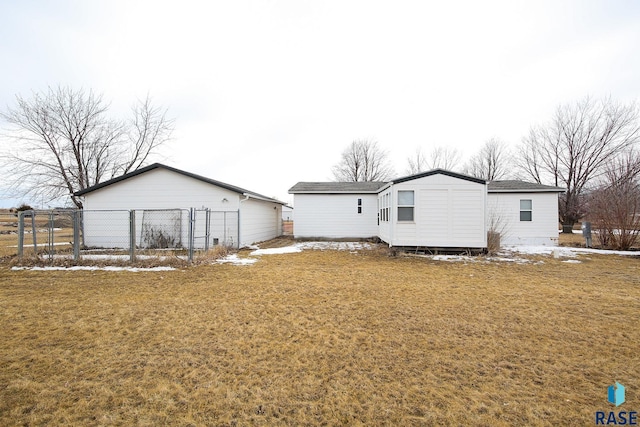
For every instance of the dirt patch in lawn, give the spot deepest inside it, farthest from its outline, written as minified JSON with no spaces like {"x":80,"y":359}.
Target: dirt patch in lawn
{"x":321,"y":338}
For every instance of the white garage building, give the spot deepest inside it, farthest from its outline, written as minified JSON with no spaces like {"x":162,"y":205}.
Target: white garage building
{"x":164,"y":195}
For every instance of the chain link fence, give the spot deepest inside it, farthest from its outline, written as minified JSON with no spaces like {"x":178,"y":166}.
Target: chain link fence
{"x":129,"y":233}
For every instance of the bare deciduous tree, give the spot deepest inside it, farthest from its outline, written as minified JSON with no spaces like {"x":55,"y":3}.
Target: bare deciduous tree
{"x":574,"y":147}
{"x":614,"y":206}
{"x":363,"y":160}
{"x":439,"y":158}
{"x":63,"y":141}
{"x":492,"y":162}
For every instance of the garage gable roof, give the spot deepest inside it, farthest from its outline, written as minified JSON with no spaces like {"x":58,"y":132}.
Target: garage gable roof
{"x":516,"y":186}
{"x":140,"y":171}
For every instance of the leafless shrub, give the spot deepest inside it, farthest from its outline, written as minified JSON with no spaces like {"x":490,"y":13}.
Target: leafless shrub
{"x":614,"y":206}
{"x":497,"y":229}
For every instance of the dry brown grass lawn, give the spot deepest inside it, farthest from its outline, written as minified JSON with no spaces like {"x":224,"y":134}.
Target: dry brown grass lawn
{"x":321,"y":338}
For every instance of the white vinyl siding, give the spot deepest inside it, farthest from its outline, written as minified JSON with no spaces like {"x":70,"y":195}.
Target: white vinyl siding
{"x":448,"y":212}
{"x":335,"y":216}
{"x":541,"y":230}
{"x":259,"y":221}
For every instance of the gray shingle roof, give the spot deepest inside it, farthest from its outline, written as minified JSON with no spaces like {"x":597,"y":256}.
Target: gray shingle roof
{"x":337,"y":187}
{"x":506,"y":186}
{"x":515,"y":186}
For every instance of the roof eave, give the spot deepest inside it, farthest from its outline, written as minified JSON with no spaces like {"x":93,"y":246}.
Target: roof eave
{"x":332,"y":192}
{"x":542,"y":190}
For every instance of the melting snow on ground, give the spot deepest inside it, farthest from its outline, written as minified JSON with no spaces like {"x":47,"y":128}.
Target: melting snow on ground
{"x":275,"y":251}
{"x":295,"y":248}
{"x":510,"y":254}
{"x":236,"y":260}
{"x":94,"y":268}
{"x":563,"y":251}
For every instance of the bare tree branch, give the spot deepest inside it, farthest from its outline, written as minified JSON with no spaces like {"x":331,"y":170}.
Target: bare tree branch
{"x":363,"y":160}
{"x":440,"y":157}
{"x":574,"y":147}
{"x":492,"y":162}
{"x":62,"y":141}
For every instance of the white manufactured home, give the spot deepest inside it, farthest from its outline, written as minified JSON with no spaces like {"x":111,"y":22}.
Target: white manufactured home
{"x":435,"y":209}
{"x":242,"y":217}
{"x":335,"y":210}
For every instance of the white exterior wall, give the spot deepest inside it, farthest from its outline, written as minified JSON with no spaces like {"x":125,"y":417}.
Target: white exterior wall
{"x":448,"y":212}
{"x":165,"y":189}
{"x":161,"y":189}
{"x":541,"y":230}
{"x":335,"y":216}
{"x":259,"y":221}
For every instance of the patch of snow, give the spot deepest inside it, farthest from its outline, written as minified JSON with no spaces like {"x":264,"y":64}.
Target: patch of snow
{"x":337,"y":246}
{"x":94,"y":268}
{"x":572,"y":261}
{"x":573,"y":231}
{"x":274,"y":251}
{"x":450,"y":258}
{"x":236,"y":260}
{"x":43,"y":244}
{"x":564,"y":251}
{"x":503,"y":259}
{"x":473,"y":259}
{"x":114,"y":257}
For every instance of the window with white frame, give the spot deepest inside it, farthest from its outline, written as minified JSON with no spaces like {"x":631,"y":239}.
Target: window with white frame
{"x":359,"y":206}
{"x":526,"y":210}
{"x":405,"y":205}
{"x":384,"y":207}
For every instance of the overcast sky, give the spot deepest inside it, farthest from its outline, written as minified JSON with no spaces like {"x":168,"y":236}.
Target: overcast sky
{"x":269,"y":93}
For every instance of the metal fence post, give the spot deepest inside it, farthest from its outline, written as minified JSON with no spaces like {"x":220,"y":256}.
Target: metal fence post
{"x":207,"y":226}
{"x":33,"y":232}
{"x":20,"y":234}
{"x":191,"y":232}
{"x":132,"y":236}
{"x":76,"y":235}
{"x":51,"y":235}
{"x":224,"y":228}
